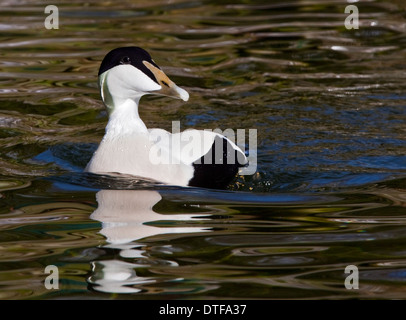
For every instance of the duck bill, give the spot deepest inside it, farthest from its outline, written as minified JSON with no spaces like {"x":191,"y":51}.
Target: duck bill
{"x":168,"y":87}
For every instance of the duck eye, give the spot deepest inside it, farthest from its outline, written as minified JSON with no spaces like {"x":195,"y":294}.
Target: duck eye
{"x":125,"y":60}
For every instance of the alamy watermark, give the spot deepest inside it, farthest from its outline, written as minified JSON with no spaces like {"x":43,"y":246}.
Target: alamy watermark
{"x":51,"y":281}
{"x":352,"y":20}
{"x":51,"y":21}
{"x":199,"y":145}
{"x":352,"y":280}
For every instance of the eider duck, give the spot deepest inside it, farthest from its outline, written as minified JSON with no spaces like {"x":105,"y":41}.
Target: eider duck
{"x":197,"y":158}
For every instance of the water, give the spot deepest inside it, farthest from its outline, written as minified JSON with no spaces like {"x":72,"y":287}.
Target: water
{"x":329,"y":107}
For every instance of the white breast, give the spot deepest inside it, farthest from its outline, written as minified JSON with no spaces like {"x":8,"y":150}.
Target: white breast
{"x":131,"y":154}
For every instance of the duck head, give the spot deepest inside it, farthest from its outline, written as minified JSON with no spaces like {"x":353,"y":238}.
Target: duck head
{"x":129,"y":73}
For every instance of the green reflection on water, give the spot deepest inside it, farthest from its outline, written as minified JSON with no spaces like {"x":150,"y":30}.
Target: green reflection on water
{"x":328,"y":105}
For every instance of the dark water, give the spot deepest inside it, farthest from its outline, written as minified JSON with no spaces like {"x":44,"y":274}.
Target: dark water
{"x":329,"y":107}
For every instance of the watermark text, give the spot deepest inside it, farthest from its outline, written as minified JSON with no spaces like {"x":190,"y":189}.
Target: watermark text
{"x":51,"y":21}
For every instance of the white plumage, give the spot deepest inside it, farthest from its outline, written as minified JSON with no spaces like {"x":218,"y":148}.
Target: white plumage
{"x":185,"y":158}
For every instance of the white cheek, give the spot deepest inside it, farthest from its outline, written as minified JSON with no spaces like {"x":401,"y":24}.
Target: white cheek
{"x":127,"y":81}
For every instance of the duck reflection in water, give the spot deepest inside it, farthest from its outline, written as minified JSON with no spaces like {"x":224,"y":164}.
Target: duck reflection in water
{"x":127,"y":216}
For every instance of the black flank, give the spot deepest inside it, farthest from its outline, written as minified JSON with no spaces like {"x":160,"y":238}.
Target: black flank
{"x":217,"y":173}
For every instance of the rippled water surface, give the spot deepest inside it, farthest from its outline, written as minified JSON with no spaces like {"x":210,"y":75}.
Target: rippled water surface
{"x":329,"y":107}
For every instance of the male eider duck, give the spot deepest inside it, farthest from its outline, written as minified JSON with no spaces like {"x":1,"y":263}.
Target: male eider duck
{"x":196,"y":158}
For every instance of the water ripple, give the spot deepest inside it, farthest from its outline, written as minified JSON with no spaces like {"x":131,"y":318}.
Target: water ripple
{"x":328,"y":106}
